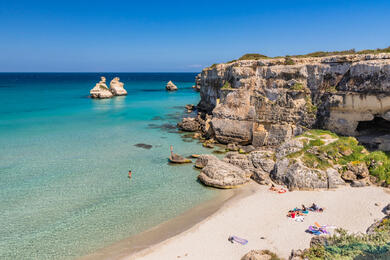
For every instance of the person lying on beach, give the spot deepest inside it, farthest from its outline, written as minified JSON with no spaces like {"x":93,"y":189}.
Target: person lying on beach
{"x":273,"y":188}
{"x":277,"y":189}
{"x":314,"y":207}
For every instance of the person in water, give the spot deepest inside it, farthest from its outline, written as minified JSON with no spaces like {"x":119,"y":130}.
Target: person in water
{"x":130,"y":174}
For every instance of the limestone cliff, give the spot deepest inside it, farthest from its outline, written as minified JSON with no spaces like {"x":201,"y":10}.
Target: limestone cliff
{"x":266,"y":101}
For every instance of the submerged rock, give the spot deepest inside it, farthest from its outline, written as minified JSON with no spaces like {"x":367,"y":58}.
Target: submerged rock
{"x":170,"y":86}
{"x":145,"y":146}
{"x":116,"y":87}
{"x":101,"y":90}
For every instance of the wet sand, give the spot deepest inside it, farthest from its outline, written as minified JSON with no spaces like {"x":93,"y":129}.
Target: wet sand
{"x":171,"y":228}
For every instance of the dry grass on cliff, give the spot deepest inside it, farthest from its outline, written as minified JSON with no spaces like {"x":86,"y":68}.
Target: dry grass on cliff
{"x":317,"y":54}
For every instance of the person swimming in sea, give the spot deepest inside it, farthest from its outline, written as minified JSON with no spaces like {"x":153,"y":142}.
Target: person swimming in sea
{"x":130,"y":174}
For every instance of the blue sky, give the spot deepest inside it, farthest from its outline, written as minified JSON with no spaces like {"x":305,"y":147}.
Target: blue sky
{"x":164,"y":36}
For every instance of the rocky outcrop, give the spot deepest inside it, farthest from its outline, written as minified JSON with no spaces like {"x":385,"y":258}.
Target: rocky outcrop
{"x":220,"y":174}
{"x":101,"y":90}
{"x":170,"y":86}
{"x":203,"y":160}
{"x":189,"y":124}
{"x":260,"y":255}
{"x":299,"y":176}
{"x":264,"y":102}
{"x":377,"y":225}
{"x":116,"y":87}
{"x":301,"y":164}
{"x":386,"y":210}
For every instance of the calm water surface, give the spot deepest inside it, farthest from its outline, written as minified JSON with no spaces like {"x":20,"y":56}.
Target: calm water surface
{"x":64,"y":160}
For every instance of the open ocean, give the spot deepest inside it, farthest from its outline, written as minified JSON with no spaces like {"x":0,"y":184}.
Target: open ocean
{"x":64,"y":160}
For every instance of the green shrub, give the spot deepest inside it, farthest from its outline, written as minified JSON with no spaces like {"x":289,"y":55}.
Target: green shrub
{"x":316,"y":142}
{"x":348,"y":246}
{"x":288,"y":61}
{"x":309,"y":106}
{"x":298,"y":86}
{"x":252,"y":56}
{"x":317,"y":54}
{"x":331,"y":89}
{"x":227,"y":85}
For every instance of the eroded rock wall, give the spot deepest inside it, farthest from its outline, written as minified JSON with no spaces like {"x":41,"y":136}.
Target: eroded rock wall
{"x":264,"y":102}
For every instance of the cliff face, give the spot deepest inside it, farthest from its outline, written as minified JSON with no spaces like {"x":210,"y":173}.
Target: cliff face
{"x":266,"y":101}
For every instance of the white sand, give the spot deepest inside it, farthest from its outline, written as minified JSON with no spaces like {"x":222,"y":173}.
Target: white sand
{"x":263,"y":214}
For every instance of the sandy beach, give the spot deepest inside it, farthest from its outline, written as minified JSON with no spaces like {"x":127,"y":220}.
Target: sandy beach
{"x":261,"y":219}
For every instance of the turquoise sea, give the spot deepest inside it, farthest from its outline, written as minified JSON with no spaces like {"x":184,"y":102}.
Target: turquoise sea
{"x":64,"y":160}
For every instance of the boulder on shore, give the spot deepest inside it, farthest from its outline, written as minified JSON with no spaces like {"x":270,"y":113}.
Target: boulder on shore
{"x":203,"y":160}
{"x":219,"y":174}
{"x":189,"y":124}
{"x":116,"y":87}
{"x":101,"y":90}
{"x":301,"y":164}
{"x":170,"y":86}
{"x":260,"y":255}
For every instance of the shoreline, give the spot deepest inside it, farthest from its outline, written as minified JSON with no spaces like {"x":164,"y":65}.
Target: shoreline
{"x":261,"y":219}
{"x":141,"y":244}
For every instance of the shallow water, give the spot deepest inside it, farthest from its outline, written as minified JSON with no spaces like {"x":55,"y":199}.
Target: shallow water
{"x":64,"y":160}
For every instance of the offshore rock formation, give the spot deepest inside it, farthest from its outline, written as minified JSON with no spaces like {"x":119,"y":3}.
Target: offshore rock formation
{"x":170,"y":86}
{"x":264,"y":102}
{"x":101,"y":90}
{"x":116,"y":87}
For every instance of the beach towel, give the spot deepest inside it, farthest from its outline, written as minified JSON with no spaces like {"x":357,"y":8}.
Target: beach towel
{"x":314,"y":230}
{"x":238,"y":240}
{"x":299,"y":219}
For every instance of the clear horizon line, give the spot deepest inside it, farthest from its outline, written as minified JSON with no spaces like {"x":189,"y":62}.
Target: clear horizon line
{"x":99,"y":72}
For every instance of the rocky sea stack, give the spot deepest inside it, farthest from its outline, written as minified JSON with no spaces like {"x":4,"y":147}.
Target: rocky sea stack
{"x":170,"y":86}
{"x":117,"y":88}
{"x":102,"y":91}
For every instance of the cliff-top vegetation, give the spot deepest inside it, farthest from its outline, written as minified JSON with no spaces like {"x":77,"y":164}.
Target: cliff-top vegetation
{"x":317,"y":54}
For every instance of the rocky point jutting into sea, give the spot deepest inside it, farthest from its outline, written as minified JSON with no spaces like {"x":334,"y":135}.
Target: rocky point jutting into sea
{"x":263,"y":107}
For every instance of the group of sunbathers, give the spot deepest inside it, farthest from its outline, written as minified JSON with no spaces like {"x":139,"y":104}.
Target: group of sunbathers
{"x":303,"y":211}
